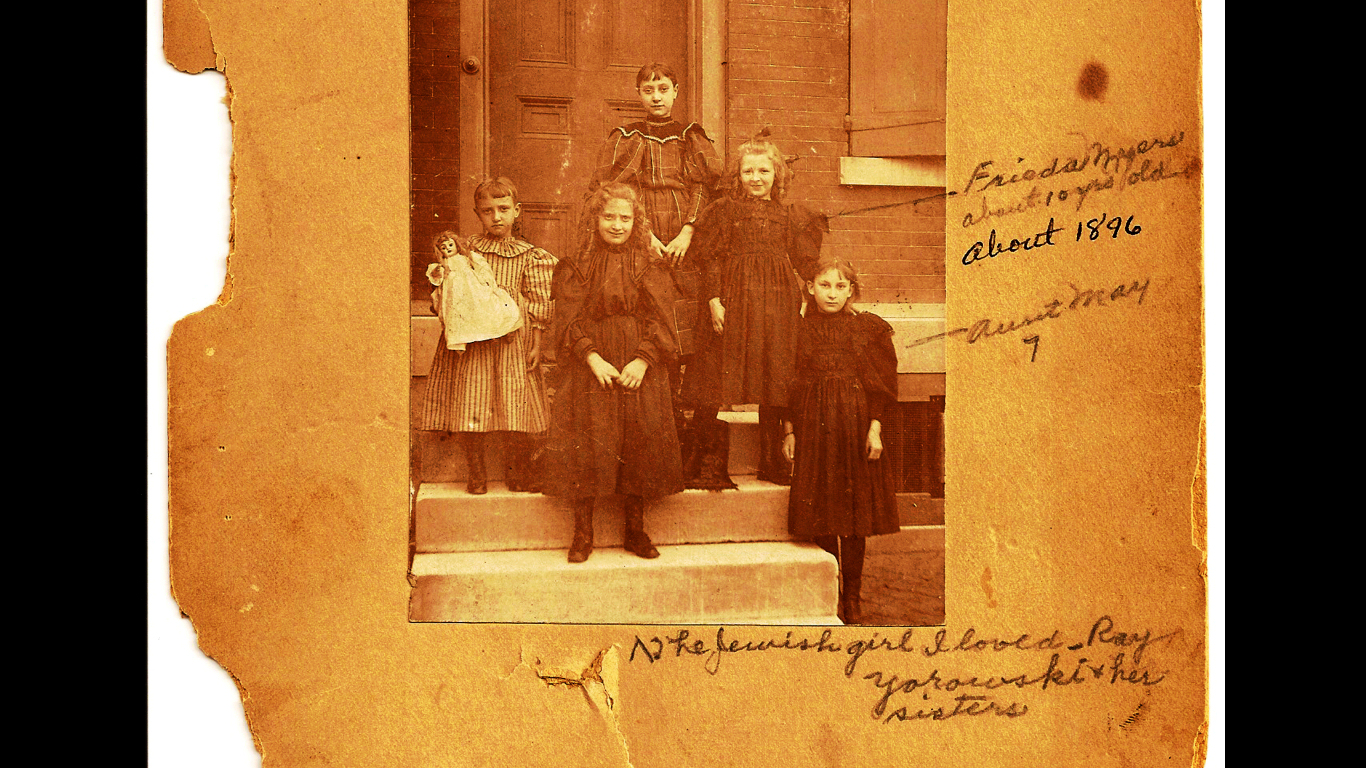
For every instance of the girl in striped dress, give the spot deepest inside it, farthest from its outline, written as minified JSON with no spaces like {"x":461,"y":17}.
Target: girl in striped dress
{"x":496,"y":385}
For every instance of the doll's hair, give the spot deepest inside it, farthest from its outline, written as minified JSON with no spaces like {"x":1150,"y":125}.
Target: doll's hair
{"x":640,"y":226}
{"x":656,"y":71}
{"x":494,"y":188}
{"x":782,"y":173}
{"x":461,"y":244}
{"x":846,"y":270}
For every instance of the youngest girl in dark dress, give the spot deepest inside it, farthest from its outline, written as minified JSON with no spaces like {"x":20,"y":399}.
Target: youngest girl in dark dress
{"x":845,"y":378}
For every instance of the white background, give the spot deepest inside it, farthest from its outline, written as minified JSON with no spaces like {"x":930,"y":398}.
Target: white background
{"x":195,"y":716}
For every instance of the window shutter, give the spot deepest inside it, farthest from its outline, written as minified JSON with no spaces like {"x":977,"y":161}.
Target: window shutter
{"x":897,"y":72}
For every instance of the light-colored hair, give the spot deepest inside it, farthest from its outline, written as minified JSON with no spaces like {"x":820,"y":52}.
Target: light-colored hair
{"x":782,"y":174}
{"x":640,"y":226}
{"x":846,"y":270}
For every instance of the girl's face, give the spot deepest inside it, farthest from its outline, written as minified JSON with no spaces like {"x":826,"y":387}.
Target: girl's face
{"x":616,"y":221}
{"x":831,"y":290}
{"x":657,"y":96}
{"x":756,"y":175}
{"x":497,"y":215}
{"x":448,"y":247}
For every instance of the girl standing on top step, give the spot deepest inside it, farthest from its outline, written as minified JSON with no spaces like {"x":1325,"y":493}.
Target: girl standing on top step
{"x":842,"y":491}
{"x":752,"y":248}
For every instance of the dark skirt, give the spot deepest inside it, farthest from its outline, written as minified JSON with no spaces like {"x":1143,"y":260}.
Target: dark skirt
{"x":752,"y":360}
{"x":665,"y":206}
{"x":610,"y":441}
{"x":836,"y":491}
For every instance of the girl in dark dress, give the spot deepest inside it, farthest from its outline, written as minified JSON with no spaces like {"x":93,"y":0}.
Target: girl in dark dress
{"x":611,"y":427}
{"x":752,"y":248}
{"x":845,"y":377}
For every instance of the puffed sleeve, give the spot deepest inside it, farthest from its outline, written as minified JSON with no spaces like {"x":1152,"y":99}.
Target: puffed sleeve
{"x":701,"y":170}
{"x":710,"y":245}
{"x":806,"y":230}
{"x":878,"y":372}
{"x":569,"y":292}
{"x":537,"y":281}
{"x":654,"y":311}
{"x":619,"y":159}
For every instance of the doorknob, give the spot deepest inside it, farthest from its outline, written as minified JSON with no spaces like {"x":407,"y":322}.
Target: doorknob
{"x":470,"y":65}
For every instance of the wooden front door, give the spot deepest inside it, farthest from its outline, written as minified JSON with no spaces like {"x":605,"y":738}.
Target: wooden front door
{"x":561,"y":75}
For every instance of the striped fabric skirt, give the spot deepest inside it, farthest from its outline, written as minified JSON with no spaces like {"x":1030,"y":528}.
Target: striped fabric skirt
{"x":486,"y":388}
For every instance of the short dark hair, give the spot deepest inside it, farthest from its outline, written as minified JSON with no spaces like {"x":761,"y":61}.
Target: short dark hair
{"x":656,"y":70}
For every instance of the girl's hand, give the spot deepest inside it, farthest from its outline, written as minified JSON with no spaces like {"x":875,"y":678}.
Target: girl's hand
{"x":874,"y":443}
{"x":656,"y":247}
{"x":633,"y":374}
{"x":678,"y":248}
{"x":603,"y":371}
{"x":718,"y":315}
{"x":789,"y":446}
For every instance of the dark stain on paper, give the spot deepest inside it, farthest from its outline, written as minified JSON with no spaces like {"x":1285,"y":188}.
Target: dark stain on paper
{"x":1093,"y":82}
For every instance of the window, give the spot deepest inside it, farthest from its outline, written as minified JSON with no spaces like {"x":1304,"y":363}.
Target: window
{"x":897,"y":73}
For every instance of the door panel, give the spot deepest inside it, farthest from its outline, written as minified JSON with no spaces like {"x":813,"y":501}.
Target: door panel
{"x":561,"y":75}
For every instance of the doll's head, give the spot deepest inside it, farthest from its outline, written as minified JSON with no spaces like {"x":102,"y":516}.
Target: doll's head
{"x":495,"y":200}
{"x":759,"y":171}
{"x":615,"y":216}
{"x":448,"y":243}
{"x":657,"y":87}
{"x":834,"y":288}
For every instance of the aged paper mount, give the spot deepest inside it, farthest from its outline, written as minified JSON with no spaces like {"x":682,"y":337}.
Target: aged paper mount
{"x":686,"y":675}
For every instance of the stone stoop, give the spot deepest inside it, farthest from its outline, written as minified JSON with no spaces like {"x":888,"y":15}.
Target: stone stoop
{"x":725,"y":556}
{"x":451,"y":520}
{"x":443,"y":455}
{"x":774,"y":583}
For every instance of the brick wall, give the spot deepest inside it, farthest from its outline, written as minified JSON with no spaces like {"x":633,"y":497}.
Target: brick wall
{"x":433,"y":70}
{"x":789,"y":70}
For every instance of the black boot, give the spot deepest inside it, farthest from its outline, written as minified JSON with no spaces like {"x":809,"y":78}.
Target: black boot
{"x":851,"y":578}
{"x":582,"y":546}
{"x":477,"y":482}
{"x":711,"y":436}
{"x":637,"y":542}
{"x":521,"y":476}
{"x":773,"y":466}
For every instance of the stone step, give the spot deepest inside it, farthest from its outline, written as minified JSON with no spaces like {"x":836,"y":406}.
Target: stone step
{"x":443,"y":456}
{"x":450,"y":520}
{"x":740,"y":583}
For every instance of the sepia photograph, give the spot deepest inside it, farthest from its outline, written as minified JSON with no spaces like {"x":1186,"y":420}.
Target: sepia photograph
{"x":685,"y":382}
{"x":671,"y":260}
